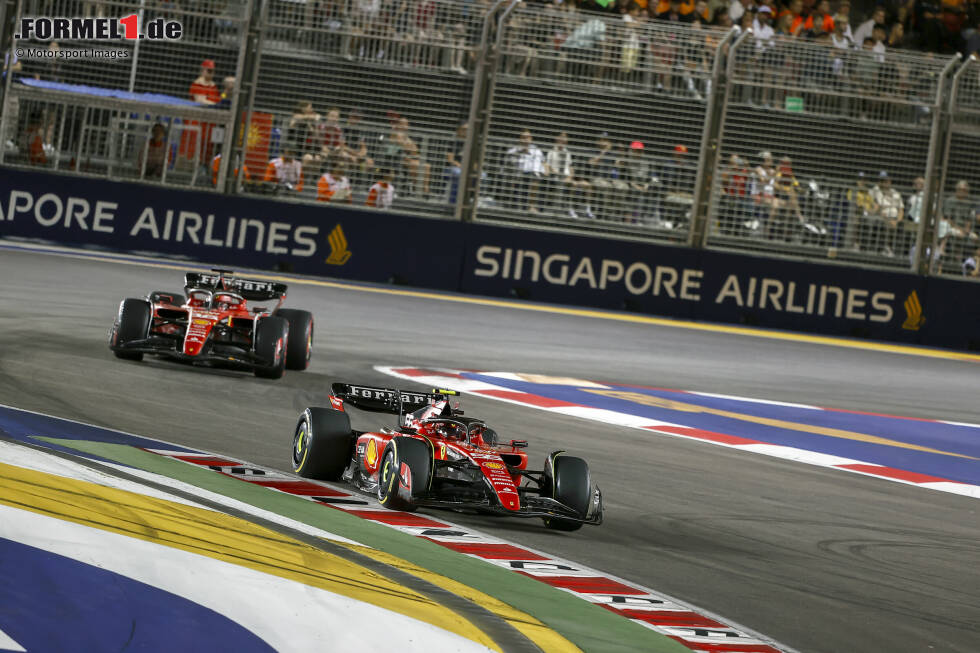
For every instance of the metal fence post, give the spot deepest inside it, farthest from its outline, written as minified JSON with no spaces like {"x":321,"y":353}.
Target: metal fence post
{"x":255,"y":37}
{"x":234,"y":126}
{"x":473,"y":149}
{"x":709,"y":140}
{"x":932,"y":196}
{"x":4,"y":104}
{"x":709,"y":206}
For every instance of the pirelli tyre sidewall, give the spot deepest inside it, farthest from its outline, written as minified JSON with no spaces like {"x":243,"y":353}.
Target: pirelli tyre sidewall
{"x":132,"y":323}
{"x":568,"y":480}
{"x":416,"y":455}
{"x":323,"y":444}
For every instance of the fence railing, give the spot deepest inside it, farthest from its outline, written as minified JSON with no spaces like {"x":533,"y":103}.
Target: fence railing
{"x":500,"y":112}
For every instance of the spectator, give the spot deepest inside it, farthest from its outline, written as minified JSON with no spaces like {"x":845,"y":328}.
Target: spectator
{"x":227,"y":91}
{"x":561,"y":176}
{"x":795,"y":11}
{"x":302,"y":131}
{"x":356,"y":143}
{"x":334,"y":186}
{"x":454,"y":161}
{"x":154,"y":155}
{"x":737,"y":9}
{"x":862,"y":211}
{"x":879,"y":35}
{"x":381,"y":195}
{"x":638,"y":176}
{"x":896,"y":36}
{"x":677,"y":181}
{"x":840,"y":38}
{"x":785,"y":204}
{"x":608,"y":188}
{"x":960,"y":211}
{"x":913,"y":215}
{"x":864,"y":29}
{"x":891,"y":213}
{"x":820,"y":20}
{"x":285,"y":171}
{"x":527,"y":163}
{"x":735,"y":207}
{"x":333,"y":145}
{"x":842,"y":21}
{"x":203,"y":89}
{"x":674,"y":13}
{"x":764,"y":182}
{"x":401,"y":152}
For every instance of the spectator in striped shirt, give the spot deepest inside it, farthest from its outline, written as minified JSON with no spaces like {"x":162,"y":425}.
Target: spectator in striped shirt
{"x":382,"y":192}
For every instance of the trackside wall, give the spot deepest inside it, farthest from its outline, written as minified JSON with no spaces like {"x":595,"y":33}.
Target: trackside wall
{"x":490,"y":260}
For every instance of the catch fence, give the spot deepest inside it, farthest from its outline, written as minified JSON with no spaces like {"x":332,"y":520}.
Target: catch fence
{"x":501,"y":112}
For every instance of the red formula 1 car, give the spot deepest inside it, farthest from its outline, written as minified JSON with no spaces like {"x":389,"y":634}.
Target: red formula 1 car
{"x":437,"y":457}
{"x":216,"y":325}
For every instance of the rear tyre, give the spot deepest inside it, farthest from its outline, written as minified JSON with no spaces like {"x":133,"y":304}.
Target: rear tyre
{"x":323,"y":444}
{"x":571,"y":484}
{"x":271,"y":340}
{"x":164,"y":297}
{"x":417,"y":457}
{"x":132,"y":323}
{"x":300,"y":347}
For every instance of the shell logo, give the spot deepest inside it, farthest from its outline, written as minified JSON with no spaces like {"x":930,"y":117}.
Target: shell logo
{"x":201,"y":322}
{"x":372,"y":453}
{"x":493,"y":465}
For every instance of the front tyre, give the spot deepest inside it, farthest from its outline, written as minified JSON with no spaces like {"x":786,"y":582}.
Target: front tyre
{"x":132,"y":323}
{"x":323,"y":444}
{"x":405,"y":474}
{"x":571,"y":485}
{"x":271,"y":340}
{"x":300,"y":347}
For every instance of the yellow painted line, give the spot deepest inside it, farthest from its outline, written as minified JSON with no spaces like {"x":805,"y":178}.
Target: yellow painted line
{"x":908,"y":350}
{"x":670,"y":404}
{"x":221,"y":537}
{"x":544,"y":637}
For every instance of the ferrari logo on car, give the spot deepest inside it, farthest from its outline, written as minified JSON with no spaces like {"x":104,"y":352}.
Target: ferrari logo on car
{"x":913,"y":313}
{"x":339,"y":254}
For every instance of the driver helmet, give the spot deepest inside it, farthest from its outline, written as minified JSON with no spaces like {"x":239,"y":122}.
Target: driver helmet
{"x":450,"y":430}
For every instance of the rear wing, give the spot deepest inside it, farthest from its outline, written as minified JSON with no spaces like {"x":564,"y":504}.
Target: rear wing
{"x":253,"y":290}
{"x":386,"y":400}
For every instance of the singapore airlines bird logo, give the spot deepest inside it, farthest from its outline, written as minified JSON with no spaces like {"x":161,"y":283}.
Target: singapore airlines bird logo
{"x":913,"y":313}
{"x":339,"y":254}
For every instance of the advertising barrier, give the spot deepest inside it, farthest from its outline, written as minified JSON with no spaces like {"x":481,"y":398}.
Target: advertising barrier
{"x":489,"y":260}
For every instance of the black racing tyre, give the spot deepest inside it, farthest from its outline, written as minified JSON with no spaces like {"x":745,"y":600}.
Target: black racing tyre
{"x":417,"y":455}
{"x":323,"y":444}
{"x":164,"y":297}
{"x":271,"y":341}
{"x":571,"y":484}
{"x":132,"y":323}
{"x":300,"y":337}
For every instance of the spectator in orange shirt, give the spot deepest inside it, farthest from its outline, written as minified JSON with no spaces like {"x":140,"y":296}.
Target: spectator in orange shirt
{"x":203,"y":89}
{"x":334,"y":186}
{"x":795,"y":10}
{"x":821,"y":18}
{"x":382,"y":192}
{"x":286,"y":171}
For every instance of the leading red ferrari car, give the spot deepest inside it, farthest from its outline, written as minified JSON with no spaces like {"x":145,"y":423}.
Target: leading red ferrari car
{"x":216,"y":324}
{"x":438,"y":457}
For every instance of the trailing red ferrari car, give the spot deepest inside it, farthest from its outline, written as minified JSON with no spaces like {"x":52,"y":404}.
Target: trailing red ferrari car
{"x":214,"y":323}
{"x":438,"y":457}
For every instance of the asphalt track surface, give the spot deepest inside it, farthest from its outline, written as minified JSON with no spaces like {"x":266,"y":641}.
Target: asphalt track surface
{"x":821,"y":560}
